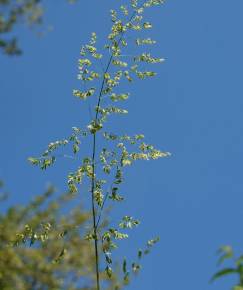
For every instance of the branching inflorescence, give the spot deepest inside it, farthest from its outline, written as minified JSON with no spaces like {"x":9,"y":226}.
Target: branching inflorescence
{"x":103,"y":88}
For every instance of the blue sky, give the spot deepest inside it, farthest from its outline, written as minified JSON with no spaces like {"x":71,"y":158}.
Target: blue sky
{"x":192,"y":200}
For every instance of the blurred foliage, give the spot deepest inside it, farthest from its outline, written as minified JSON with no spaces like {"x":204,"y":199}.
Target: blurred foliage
{"x":14,"y":12}
{"x":43,"y":248}
{"x":236,"y":268}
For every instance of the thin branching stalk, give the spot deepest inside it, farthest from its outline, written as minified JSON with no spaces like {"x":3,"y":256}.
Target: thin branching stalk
{"x":95,"y":224}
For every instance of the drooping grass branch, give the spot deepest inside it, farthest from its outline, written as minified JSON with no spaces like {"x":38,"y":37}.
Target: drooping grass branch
{"x":96,"y":223}
{"x":123,"y":150}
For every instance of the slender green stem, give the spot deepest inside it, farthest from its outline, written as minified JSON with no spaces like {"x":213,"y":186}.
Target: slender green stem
{"x":94,"y":216}
{"x":93,"y":185}
{"x":95,"y":223}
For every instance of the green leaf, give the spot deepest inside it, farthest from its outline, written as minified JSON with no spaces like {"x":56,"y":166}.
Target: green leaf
{"x":126,"y":278}
{"x":94,"y":126}
{"x":140,"y":41}
{"x":152,"y":242}
{"x":34,"y":161}
{"x":147,"y":25}
{"x":98,"y":195}
{"x":117,"y":235}
{"x":239,"y":261}
{"x":60,"y":256}
{"x":108,"y":271}
{"x":119,"y":97}
{"x":124,"y":266}
{"x":222,"y":273}
{"x":135,"y":267}
{"x":84,"y":95}
{"x":75,"y":148}
{"x":140,"y":253}
{"x":226,"y":253}
{"x":128,"y":222}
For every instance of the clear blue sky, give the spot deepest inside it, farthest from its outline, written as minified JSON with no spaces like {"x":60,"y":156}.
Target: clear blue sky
{"x":193,"y":109}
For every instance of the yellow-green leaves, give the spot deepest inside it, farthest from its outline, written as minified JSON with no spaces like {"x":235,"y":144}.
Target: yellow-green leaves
{"x":134,"y":3}
{"x":34,"y":161}
{"x":48,"y":158}
{"x":76,"y":178}
{"x":113,"y":14}
{"x":98,"y":195}
{"x":134,"y":26}
{"x":139,"y":137}
{"x":119,"y":97}
{"x":152,"y":242}
{"x":108,"y":245}
{"x":110,"y":136}
{"x":111,"y":81}
{"x":118,"y":62}
{"x":33,"y":235}
{"x":75,"y":138}
{"x":42,"y":162}
{"x":91,"y":48}
{"x":93,"y":51}
{"x":140,"y":41}
{"x":54,"y":145}
{"x":111,"y":110}
{"x":145,"y":74}
{"x":93,"y":38}
{"x":151,"y":152}
{"x":116,"y":29}
{"x":128,"y":222}
{"x":94,"y":126}
{"x":135,"y":267}
{"x":146,"y":57}
{"x":127,"y":75}
{"x":84,"y":95}
{"x":98,"y":191}
{"x":147,"y":25}
{"x":126,"y":162}
{"x":147,"y":152}
{"x":150,"y":3}
{"x":84,"y":61}
{"x":108,"y":270}
{"x":113,"y":233}
{"x":124,"y":10}
{"x":115,"y":196}
{"x":86,"y":75}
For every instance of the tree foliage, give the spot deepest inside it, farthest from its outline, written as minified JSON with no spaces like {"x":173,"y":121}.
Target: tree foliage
{"x":227,"y":253}
{"x":42,"y":245}
{"x":14,"y":12}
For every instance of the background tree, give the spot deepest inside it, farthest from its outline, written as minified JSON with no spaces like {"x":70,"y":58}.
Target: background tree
{"x":42,"y":245}
{"x":14,"y":12}
{"x":235,"y":267}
